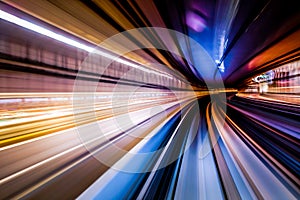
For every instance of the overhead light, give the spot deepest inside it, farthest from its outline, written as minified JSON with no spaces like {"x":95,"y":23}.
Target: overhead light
{"x":38,"y":29}
{"x":28,"y":25}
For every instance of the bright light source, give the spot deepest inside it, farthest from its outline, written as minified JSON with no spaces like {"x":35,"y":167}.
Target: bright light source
{"x":221,"y":67}
{"x":38,"y":29}
{"x":28,"y":25}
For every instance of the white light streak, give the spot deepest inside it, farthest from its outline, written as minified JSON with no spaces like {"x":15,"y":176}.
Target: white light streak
{"x":28,"y":25}
{"x":38,"y":29}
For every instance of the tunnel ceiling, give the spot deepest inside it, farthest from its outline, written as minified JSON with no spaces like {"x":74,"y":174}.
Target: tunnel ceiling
{"x":243,"y":37}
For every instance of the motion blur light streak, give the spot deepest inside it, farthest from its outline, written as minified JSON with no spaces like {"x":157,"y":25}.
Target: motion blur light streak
{"x":13,"y":19}
{"x":155,"y":99}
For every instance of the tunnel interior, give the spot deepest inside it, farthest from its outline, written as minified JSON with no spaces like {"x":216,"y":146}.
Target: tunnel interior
{"x":155,"y":99}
